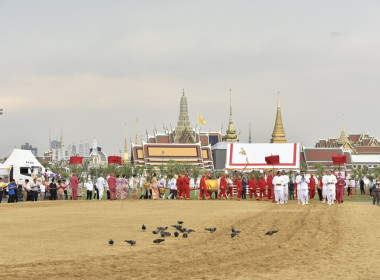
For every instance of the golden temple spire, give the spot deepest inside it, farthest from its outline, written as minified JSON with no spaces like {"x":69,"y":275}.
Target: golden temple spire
{"x":231,"y":135}
{"x":249,"y":137}
{"x":278,"y":135}
{"x":343,"y":135}
{"x":136,"y":140}
{"x":61,"y":144}
{"x":125,"y":155}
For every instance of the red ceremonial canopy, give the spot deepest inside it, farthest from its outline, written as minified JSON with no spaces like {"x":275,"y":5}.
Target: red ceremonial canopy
{"x":114,"y":159}
{"x":272,"y":160}
{"x":339,"y":159}
{"x":76,"y":160}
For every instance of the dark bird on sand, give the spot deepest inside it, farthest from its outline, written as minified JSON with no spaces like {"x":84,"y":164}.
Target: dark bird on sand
{"x":162,"y":228}
{"x":176,"y":234}
{"x":132,"y":242}
{"x":211,"y":229}
{"x":188,"y":230}
{"x":163,"y":234}
{"x":185,"y":235}
{"x":235,"y":231}
{"x":271,"y":232}
{"x":110,"y":242}
{"x":158,"y":241}
{"x":143,"y":227}
{"x":156,"y":231}
{"x":180,"y":222}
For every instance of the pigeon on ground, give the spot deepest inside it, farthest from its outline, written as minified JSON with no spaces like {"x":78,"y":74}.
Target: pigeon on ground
{"x":211,"y":229}
{"x":185,"y":235}
{"x":156,"y":231}
{"x":176,"y":234}
{"x":180,"y":222}
{"x":158,"y":241}
{"x":162,"y":228}
{"x":188,"y":230}
{"x":110,"y":242}
{"x":163,"y":234}
{"x":271,"y":232}
{"x":132,"y":242}
{"x":143,"y":227}
{"x":235,"y":231}
{"x":181,"y":229}
{"x":233,"y":234}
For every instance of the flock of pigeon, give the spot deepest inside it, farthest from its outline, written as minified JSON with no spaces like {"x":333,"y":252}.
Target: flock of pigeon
{"x":180,"y":230}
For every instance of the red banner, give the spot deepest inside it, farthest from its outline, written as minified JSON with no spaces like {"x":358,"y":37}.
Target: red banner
{"x":273,"y":160}
{"x":76,"y":160}
{"x":114,"y":159}
{"x":339,"y":159}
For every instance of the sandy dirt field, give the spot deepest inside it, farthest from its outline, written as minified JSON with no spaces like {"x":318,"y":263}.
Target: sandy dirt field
{"x":69,"y":239}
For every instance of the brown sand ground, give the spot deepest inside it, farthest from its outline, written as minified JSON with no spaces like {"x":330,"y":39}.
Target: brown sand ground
{"x":69,"y":239}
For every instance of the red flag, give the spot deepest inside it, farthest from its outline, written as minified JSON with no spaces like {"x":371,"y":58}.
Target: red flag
{"x":272,"y":160}
{"x":114,"y":159}
{"x":76,"y":160}
{"x":339,"y":159}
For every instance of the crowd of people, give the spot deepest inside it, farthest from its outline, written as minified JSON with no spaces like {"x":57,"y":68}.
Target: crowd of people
{"x":278,"y":189}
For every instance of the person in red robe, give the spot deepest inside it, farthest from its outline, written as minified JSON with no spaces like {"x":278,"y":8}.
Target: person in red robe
{"x":112,"y":186}
{"x":186,"y":186}
{"x":203,"y":188}
{"x":239,"y":187}
{"x":262,"y":185}
{"x":74,"y":182}
{"x":312,"y":186}
{"x":180,"y":186}
{"x":252,"y":185}
{"x":340,"y":188}
{"x":222,"y":187}
{"x":270,"y":186}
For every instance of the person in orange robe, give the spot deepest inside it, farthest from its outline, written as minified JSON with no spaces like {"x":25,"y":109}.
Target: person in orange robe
{"x":312,"y":186}
{"x":252,"y":185}
{"x":186,"y":186}
{"x":203,"y":188}
{"x":112,"y":186}
{"x":270,"y":186}
{"x":239,"y":187}
{"x":180,"y":186}
{"x":222,"y":187}
{"x":262,"y":185}
{"x":74,"y":182}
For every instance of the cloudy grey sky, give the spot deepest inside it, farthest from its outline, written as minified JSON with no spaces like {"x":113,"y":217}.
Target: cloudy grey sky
{"x":92,"y":66}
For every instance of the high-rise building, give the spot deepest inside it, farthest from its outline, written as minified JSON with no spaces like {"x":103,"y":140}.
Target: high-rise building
{"x":81,"y":149}
{"x":87,"y":148}
{"x":73,"y":150}
{"x":27,"y":146}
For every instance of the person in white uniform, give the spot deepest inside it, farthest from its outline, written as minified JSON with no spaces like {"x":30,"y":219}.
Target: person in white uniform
{"x":173,"y":187}
{"x":285,"y":186}
{"x":330,"y":180}
{"x":324,"y":188}
{"x":302,"y":184}
{"x":100,"y":184}
{"x":278,"y":189}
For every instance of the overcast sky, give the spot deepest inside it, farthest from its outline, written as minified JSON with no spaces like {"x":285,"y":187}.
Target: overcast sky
{"x":93,"y":66}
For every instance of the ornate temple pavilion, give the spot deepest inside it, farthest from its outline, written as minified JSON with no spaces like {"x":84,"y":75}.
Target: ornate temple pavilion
{"x":183,"y":144}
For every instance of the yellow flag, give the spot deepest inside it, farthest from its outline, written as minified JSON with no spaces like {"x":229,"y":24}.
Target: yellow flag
{"x":201,"y":120}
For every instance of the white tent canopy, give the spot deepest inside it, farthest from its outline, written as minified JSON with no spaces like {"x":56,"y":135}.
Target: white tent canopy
{"x":23,"y":158}
{"x":252,"y":155}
